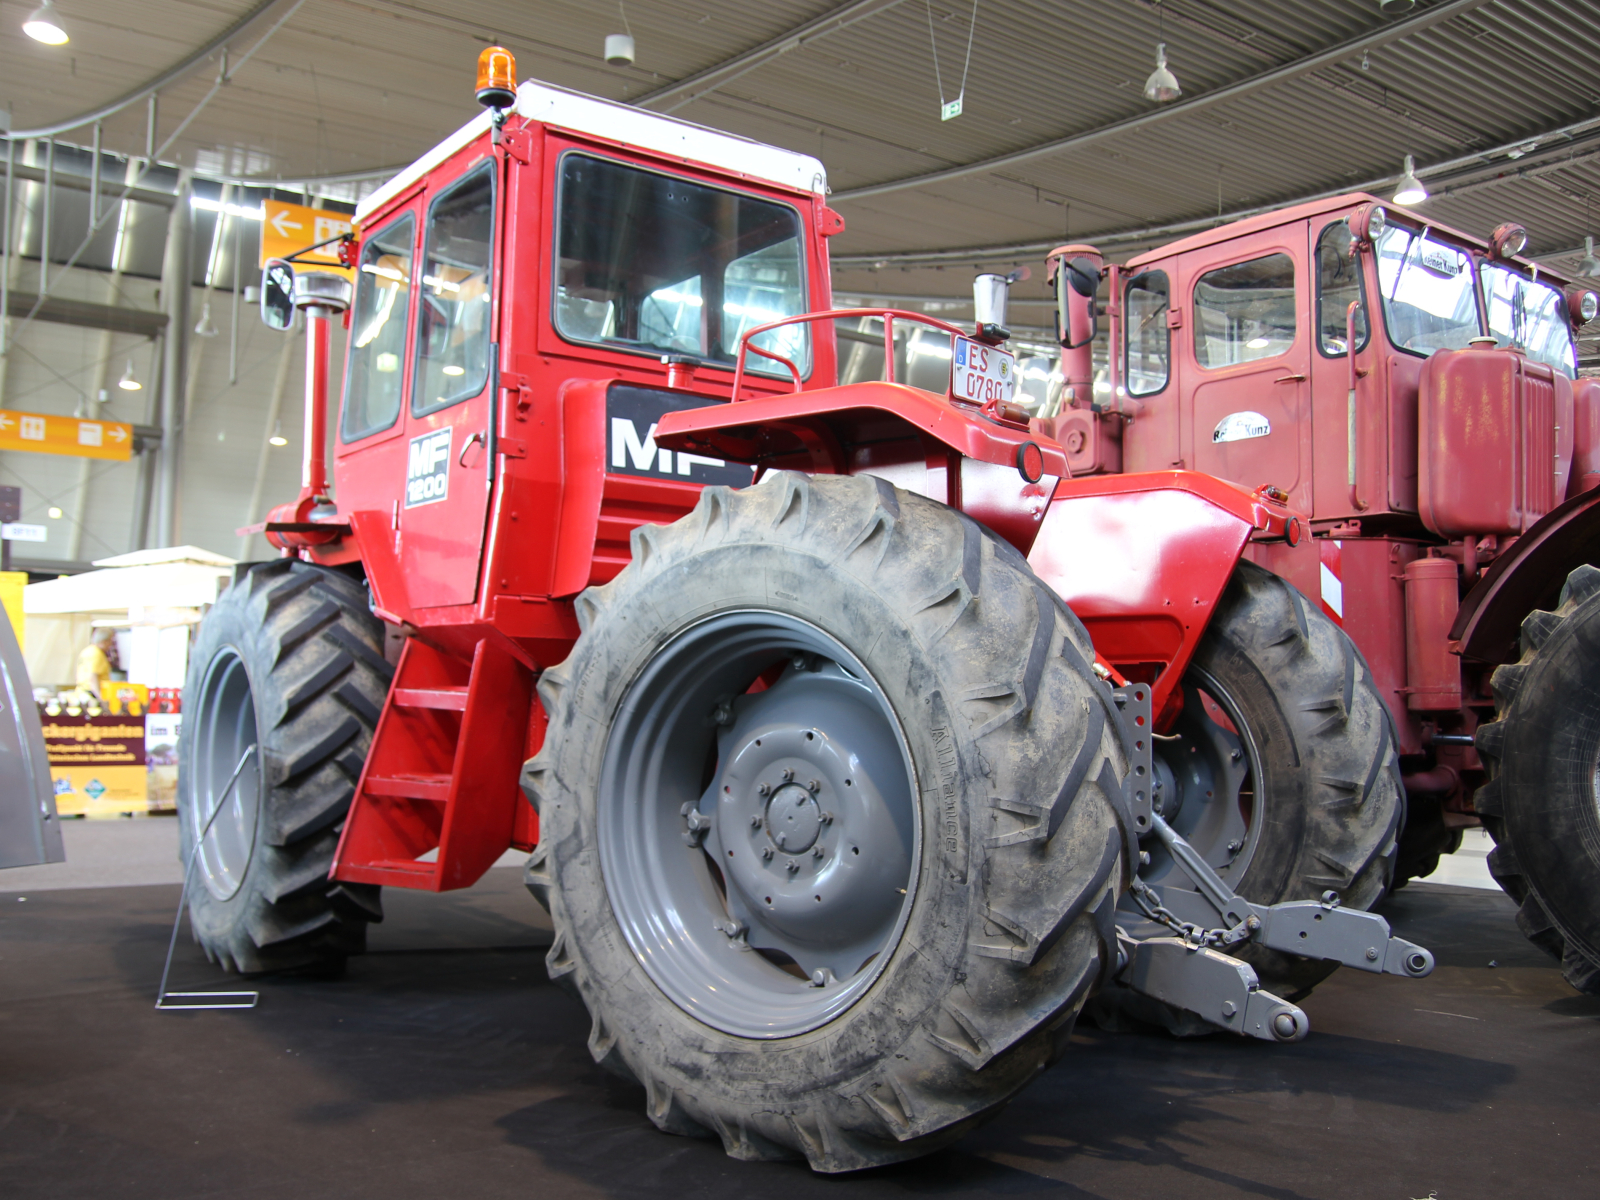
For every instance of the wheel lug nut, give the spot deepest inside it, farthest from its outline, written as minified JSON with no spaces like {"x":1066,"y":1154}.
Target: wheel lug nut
{"x":816,"y":852}
{"x":755,"y":822}
{"x":813,"y":786}
{"x":827,"y":818}
{"x":1236,"y":755}
{"x":788,"y":774}
{"x":766,"y":854}
{"x":763,"y":789}
{"x":794,"y":865}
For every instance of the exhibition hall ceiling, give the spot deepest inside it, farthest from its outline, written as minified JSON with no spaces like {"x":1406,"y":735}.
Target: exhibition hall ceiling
{"x":1497,"y":100}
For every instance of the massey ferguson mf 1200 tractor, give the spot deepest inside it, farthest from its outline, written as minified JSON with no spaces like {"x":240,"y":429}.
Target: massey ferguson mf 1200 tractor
{"x":1414,"y":391}
{"x":856,"y":745}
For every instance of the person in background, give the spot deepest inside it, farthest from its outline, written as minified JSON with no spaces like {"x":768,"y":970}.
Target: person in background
{"x":95,"y":663}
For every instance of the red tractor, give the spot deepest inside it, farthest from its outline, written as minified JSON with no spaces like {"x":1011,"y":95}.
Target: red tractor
{"x":840,"y":812}
{"x":1449,"y":464}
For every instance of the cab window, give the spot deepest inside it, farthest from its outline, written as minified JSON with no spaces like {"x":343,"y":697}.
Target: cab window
{"x":378,"y":331}
{"x":1149,"y":339}
{"x":1338,"y":286}
{"x":658,"y":265}
{"x":1244,"y":311}
{"x":1530,"y":316}
{"x":454,"y":308}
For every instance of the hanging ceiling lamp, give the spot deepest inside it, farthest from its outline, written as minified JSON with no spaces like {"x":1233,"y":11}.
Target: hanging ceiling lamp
{"x":1162,"y":85}
{"x":277,"y":438}
{"x":128,"y":383}
{"x":1410,"y":190}
{"x":45,"y":26}
{"x":205,"y":328}
{"x":1590,"y":265}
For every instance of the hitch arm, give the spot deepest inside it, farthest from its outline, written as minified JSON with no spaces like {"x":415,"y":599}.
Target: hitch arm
{"x":1310,"y":928}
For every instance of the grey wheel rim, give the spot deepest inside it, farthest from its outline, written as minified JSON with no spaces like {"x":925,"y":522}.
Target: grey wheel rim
{"x":223,"y":726}
{"x":759,"y":849}
{"x":1207,"y":784}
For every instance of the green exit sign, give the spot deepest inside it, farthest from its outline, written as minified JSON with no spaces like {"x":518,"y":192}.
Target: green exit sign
{"x":952,"y":109}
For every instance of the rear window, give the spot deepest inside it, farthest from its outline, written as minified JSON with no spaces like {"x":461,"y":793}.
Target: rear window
{"x":662,"y":265}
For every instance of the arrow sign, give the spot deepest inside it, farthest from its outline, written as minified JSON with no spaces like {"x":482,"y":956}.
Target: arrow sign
{"x":289,"y":228}
{"x":280,"y":222}
{"x":44,"y":433}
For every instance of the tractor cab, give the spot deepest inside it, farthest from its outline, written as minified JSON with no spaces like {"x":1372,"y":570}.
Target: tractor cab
{"x":1233,"y":357}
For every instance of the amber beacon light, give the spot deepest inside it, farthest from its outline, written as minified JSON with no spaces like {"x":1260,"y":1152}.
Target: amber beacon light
{"x":497,"y":78}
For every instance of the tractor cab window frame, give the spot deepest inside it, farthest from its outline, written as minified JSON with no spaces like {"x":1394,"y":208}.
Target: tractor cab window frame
{"x":652,"y":263}
{"x":1245,"y":311}
{"x":374,"y":386}
{"x":455,"y":302}
{"x":1529,"y":315}
{"x":1428,"y":289}
{"x":1147,"y":338}
{"x":1339,"y":281}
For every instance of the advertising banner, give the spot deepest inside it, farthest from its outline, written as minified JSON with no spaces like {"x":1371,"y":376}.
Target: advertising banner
{"x":97,"y":763}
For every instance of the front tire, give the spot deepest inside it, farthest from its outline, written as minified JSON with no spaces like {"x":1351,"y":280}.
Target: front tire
{"x":288,"y":661}
{"x":1541,"y":803}
{"x":828,"y":813}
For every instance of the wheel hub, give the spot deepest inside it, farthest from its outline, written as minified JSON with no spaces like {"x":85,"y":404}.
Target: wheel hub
{"x":760,"y":847}
{"x":793,"y":820}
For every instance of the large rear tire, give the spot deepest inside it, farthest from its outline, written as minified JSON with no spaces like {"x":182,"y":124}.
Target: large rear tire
{"x":1281,"y":772}
{"x":1541,"y":803}
{"x":828,"y":822}
{"x":289,"y":661}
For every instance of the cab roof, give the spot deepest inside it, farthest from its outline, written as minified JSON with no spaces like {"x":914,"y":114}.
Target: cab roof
{"x":638,"y":127}
{"x":1312,"y":209}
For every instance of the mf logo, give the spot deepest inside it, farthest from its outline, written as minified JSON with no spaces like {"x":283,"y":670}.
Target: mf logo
{"x":631,"y":417}
{"x":428,"y":468}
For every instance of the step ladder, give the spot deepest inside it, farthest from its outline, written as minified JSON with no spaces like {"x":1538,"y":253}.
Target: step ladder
{"x":438,"y":801}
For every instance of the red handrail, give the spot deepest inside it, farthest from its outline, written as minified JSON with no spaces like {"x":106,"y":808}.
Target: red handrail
{"x":888,"y":316}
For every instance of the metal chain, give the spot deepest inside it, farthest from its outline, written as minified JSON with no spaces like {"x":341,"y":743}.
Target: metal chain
{"x":1145,"y":897}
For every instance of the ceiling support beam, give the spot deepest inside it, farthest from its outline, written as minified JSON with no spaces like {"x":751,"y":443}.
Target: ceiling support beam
{"x":263,"y":13}
{"x":1389,"y":32}
{"x":86,"y":314}
{"x":1457,"y":172}
{"x":687,"y":90}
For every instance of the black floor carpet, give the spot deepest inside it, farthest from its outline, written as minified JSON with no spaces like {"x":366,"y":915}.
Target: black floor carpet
{"x":445,"y":1065}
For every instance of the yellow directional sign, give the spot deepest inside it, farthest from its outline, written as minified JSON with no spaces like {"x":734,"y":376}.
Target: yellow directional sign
{"x":65,"y":435}
{"x":289,"y":228}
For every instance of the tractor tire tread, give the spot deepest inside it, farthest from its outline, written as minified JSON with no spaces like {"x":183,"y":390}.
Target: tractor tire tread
{"x":1001,"y":1004}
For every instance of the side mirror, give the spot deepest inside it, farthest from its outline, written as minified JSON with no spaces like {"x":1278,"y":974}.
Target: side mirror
{"x":1077,"y":317}
{"x":277,"y":295}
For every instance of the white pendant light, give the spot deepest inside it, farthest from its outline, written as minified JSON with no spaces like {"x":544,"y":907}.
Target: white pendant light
{"x":1410,"y":190}
{"x":45,"y":26}
{"x":277,"y":438}
{"x":128,"y":383}
{"x":1162,"y":85}
{"x":205,"y":328}
{"x":1590,"y":265}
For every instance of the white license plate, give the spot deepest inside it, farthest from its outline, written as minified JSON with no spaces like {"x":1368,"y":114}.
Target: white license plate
{"x":982,"y":373}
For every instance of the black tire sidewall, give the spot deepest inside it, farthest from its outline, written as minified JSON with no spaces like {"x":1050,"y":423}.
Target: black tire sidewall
{"x":1551,"y":750}
{"x":229,"y":626}
{"x":875,"y":633}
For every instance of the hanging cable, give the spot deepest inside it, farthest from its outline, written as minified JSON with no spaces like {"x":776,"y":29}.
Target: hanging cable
{"x":952,"y":108}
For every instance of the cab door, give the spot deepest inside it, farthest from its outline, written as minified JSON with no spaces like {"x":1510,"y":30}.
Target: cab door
{"x":1249,"y":361}
{"x":444,"y":506}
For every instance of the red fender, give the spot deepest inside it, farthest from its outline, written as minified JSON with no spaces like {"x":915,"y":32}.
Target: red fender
{"x":1143,"y":560}
{"x":1527,"y":576}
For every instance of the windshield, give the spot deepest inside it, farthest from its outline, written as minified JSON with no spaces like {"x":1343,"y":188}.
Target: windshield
{"x":1428,"y":298}
{"x":659,"y":264}
{"x":1530,"y":316}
